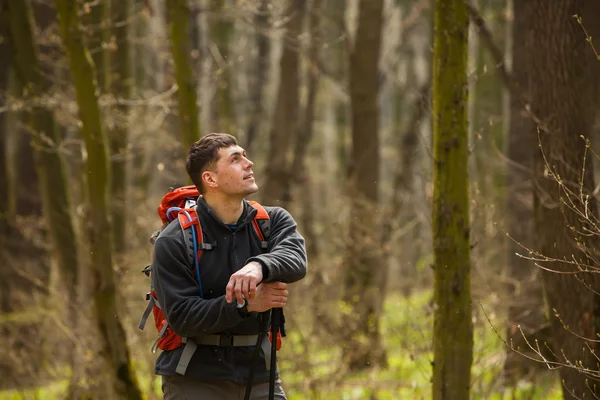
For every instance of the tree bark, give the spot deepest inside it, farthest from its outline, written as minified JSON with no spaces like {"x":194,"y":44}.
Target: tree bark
{"x":5,"y":66}
{"x":305,"y":133}
{"x":6,"y":219}
{"x":179,"y":20}
{"x":121,"y":85}
{"x":526,"y":306}
{"x":221,"y":32}
{"x":45,"y":139}
{"x":453,"y":328}
{"x":337,"y":37}
{"x":112,"y":337}
{"x":263,"y":44}
{"x":285,"y":119}
{"x":365,"y":272}
{"x":563,"y":76}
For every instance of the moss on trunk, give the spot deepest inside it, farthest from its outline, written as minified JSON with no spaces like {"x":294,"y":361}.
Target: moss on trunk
{"x":45,"y":139}
{"x":112,"y":338}
{"x":453,"y":329}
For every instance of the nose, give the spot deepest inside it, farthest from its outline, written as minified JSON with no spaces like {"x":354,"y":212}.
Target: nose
{"x":249,"y":162}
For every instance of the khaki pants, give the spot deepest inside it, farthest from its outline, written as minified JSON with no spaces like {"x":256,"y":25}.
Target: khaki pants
{"x":180,"y":388}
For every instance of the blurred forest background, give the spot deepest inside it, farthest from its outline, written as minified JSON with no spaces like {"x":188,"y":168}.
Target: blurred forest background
{"x":336,"y":103}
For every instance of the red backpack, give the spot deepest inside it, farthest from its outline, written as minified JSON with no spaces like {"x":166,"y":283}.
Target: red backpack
{"x":180,"y":204}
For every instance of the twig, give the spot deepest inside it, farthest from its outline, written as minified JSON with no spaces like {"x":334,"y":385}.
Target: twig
{"x":488,"y":38}
{"x":588,"y":38}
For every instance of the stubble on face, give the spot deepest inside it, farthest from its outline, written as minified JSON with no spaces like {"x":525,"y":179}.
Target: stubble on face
{"x":234,"y":172}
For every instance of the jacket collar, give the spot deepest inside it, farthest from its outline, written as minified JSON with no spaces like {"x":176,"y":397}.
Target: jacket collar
{"x":248,"y":212}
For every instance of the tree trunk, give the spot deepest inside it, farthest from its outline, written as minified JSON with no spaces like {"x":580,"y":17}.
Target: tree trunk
{"x":487,"y":130}
{"x":285,"y":119}
{"x":366,"y":273}
{"x":147,"y":71}
{"x":453,"y":328}
{"x":53,"y":185}
{"x":121,"y":88}
{"x":259,"y":82}
{"x":335,"y":11}
{"x":6,"y":219}
{"x":305,"y":132}
{"x":5,"y":66}
{"x":98,"y":36}
{"x":220,"y":33}
{"x":564,"y":89}
{"x":112,"y":337}
{"x":179,"y":20}
{"x":526,"y":307}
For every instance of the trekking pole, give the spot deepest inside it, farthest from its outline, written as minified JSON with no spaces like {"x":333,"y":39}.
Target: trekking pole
{"x":255,"y":357}
{"x":275,"y":327}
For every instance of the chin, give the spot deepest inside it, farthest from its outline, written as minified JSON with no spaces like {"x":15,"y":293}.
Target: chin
{"x":252,"y":190}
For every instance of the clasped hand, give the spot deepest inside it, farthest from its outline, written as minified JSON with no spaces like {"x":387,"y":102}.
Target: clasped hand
{"x":245,"y":284}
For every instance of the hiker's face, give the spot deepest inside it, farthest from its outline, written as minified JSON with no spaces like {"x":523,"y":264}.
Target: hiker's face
{"x":233,"y":175}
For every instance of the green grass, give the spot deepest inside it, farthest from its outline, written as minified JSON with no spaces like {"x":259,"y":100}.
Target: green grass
{"x":310,"y":367}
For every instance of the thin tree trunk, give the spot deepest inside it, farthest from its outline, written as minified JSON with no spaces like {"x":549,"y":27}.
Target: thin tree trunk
{"x":402,"y":184}
{"x":146,"y":70}
{"x":121,"y":88}
{"x":179,"y":20}
{"x":220,"y":34}
{"x":112,"y":337}
{"x":365,"y":273}
{"x":285,"y":119}
{"x":526,"y":307}
{"x":453,"y":327}
{"x":305,"y":132}
{"x":53,"y":185}
{"x":98,"y":24}
{"x":338,"y":47}
{"x":263,"y":44}
{"x":563,"y":76}
{"x":5,"y":66}
{"x":6,"y":219}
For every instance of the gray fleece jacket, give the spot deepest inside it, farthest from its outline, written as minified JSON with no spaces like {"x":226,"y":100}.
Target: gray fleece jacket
{"x":189,"y":315}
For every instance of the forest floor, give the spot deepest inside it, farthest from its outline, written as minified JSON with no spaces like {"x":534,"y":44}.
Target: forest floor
{"x":311,"y":368}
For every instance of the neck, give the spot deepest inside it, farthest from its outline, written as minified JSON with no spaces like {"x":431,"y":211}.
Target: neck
{"x":227,"y":209}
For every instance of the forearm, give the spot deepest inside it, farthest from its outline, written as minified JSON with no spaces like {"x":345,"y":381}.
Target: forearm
{"x":196,"y":316}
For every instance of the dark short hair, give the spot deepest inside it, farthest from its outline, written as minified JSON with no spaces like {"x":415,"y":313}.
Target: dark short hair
{"x":204,"y":154}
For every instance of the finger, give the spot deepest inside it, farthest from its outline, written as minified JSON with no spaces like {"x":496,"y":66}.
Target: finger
{"x":279,"y":285}
{"x":229,"y":290}
{"x":279,"y":298}
{"x":238,"y":291}
{"x":278,"y":304}
{"x":246,"y":288}
{"x":252,"y":290}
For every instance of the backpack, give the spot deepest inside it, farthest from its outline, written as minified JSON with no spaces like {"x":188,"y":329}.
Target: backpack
{"x":180,"y":204}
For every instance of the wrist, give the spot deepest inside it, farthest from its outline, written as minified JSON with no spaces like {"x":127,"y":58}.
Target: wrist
{"x":259,"y":269}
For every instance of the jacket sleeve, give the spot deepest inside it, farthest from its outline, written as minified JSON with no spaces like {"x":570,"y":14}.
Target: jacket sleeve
{"x":285,"y":260}
{"x":179,"y":296}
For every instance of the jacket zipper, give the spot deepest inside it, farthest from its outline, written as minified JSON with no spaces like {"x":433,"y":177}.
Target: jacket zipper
{"x":233,"y":252}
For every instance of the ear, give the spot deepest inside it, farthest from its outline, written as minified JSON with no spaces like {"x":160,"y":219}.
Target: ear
{"x":208,"y":178}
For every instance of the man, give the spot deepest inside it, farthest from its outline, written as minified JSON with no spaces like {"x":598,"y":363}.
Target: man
{"x":240,"y":281}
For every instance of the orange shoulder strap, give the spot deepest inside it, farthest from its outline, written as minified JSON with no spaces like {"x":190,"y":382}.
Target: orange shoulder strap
{"x":261,"y":223}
